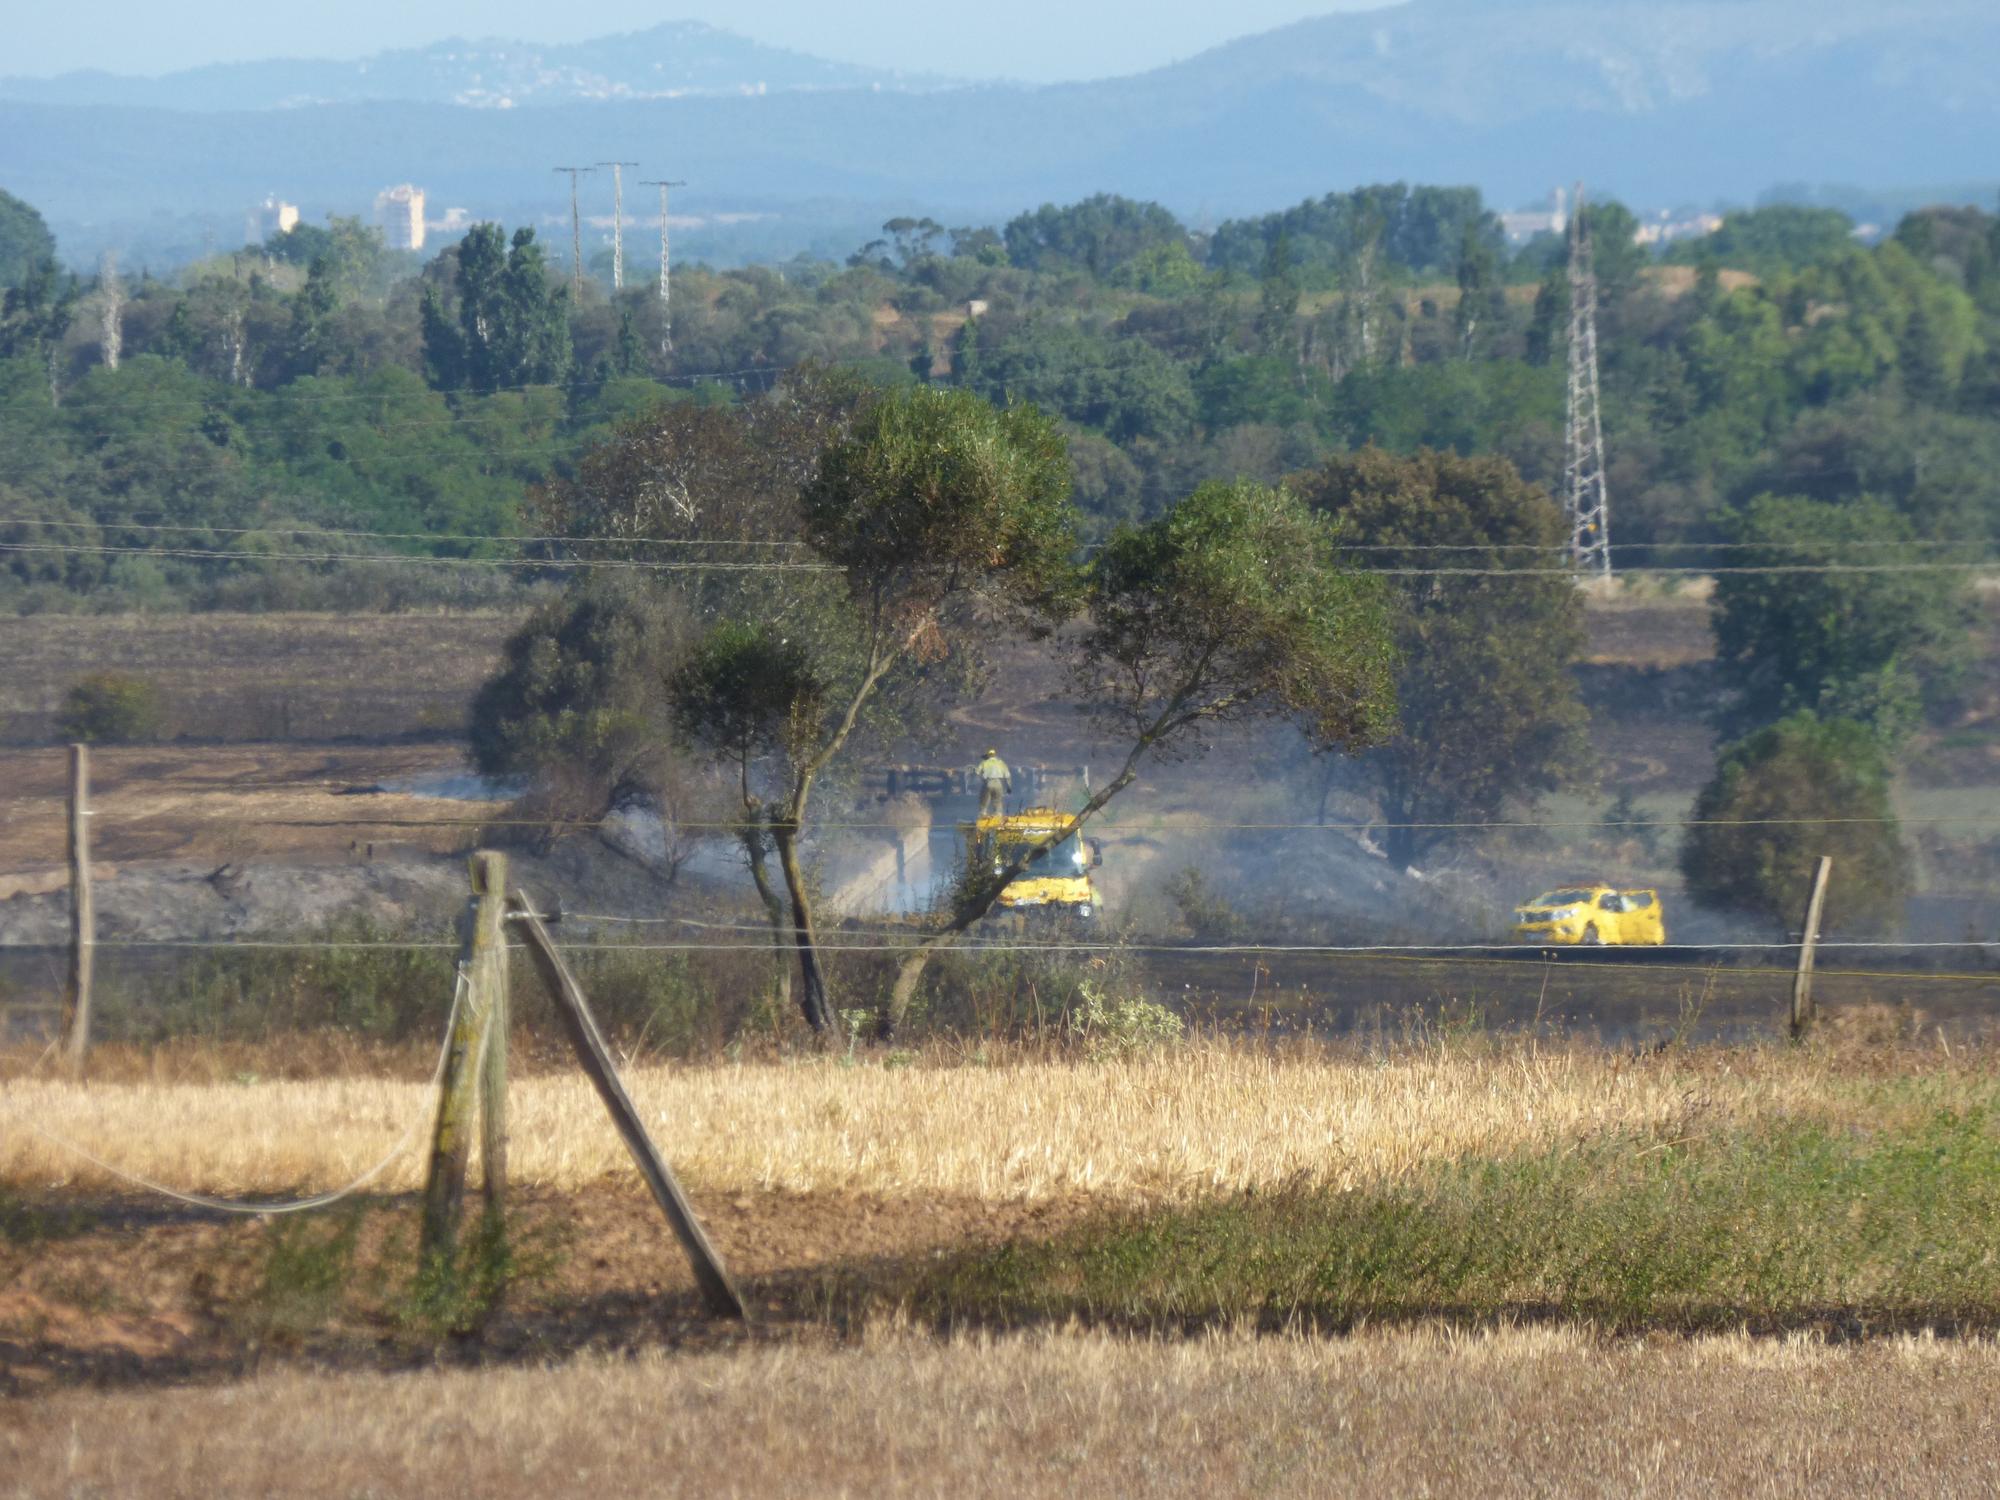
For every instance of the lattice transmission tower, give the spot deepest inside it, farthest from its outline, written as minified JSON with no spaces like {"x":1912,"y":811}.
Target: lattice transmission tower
{"x":666,"y":286}
{"x":1584,"y":496}
{"x":575,"y":235}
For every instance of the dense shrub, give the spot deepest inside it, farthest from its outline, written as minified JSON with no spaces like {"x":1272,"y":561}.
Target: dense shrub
{"x":1781,"y":798}
{"x":1204,"y":911}
{"x":111,"y":708}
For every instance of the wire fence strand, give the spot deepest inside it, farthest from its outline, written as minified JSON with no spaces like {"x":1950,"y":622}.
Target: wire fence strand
{"x":248,"y":1207}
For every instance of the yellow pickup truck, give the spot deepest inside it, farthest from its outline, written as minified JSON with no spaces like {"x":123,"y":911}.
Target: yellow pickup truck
{"x":1591,"y":915}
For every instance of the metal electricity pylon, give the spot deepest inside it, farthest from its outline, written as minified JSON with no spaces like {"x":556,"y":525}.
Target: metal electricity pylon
{"x":666,"y":288}
{"x":575,"y":234}
{"x":617,"y":221}
{"x":1584,"y":496}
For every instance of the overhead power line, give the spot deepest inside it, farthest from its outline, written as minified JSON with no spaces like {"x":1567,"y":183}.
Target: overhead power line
{"x":234,"y":394}
{"x":801,"y":567}
{"x":186,"y":528}
{"x":420,"y":560}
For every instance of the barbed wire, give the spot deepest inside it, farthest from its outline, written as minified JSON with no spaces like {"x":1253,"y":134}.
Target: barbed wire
{"x":1519,"y":951}
{"x":285,"y":1206}
{"x":1160,"y":824}
{"x":921,"y":936}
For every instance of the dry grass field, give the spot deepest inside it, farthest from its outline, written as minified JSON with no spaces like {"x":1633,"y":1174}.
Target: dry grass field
{"x":1516,"y":1412}
{"x":147,"y":1347}
{"x":1208,"y":1118}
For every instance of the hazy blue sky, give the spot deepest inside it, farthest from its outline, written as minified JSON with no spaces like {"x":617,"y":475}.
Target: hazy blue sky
{"x":1030,"y":39}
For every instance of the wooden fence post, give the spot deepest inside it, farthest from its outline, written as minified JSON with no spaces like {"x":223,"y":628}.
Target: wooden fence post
{"x":1803,"y":1009}
{"x":464,"y":1080}
{"x":82,"y":914}
{"x":716,"y":1288}
{"x":489,"y":884}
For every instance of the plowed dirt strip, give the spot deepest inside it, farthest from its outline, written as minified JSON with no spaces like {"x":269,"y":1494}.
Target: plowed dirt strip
{"x":220,"y":803}
{"x":1543,"y":1412}
{"x":125,"y":1291}
{"x":260,"y":676}
{"x":1177,"y":1124}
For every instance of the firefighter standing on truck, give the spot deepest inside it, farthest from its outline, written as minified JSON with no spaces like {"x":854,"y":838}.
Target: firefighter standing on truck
{"x":995,"y":782}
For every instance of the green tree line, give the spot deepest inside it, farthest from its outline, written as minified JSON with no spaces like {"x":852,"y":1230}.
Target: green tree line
{"x":320,"y":381}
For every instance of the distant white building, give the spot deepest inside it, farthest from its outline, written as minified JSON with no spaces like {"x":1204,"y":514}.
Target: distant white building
{"x":272,"y":216}
{"x":1663,"y":228}
{"x":1524,"y":226}
{"x":400,"y":211}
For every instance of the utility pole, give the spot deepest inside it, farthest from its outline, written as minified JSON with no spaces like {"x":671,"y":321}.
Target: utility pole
{"x":575,"y":236}
{"x":666,"y":299}
{"x":111,"y":291}
{"x":1584,"y":496}
{"x":617,"y":221}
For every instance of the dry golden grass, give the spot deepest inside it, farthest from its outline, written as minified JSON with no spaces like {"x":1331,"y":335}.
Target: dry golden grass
{"x":1537,"y":1412}
{"x":1173,"y":1125}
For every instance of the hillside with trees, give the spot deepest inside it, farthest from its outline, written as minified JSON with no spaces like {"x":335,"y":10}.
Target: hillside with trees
{"x":254,"y":405}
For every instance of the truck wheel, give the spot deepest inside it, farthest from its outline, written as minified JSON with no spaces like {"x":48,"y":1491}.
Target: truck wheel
{"x":1592,"y":938}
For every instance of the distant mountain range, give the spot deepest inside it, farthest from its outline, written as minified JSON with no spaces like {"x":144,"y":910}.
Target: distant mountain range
{"x":1662,"y":101}
{"x":678,"y":59}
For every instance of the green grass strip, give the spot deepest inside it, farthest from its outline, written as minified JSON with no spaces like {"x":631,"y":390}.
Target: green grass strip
{"x":1789,"y":1225}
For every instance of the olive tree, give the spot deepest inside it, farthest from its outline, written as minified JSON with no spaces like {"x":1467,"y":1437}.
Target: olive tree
{"x":748,"y":693}
{"x":1230,"y":608}
{"x":930,"y":498}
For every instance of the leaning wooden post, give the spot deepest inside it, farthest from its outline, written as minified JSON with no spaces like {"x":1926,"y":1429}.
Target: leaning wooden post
{"x":716,"y":1288}
{"x":458,"y":1086}
{"x":1803,"y":1011}
{"x":82,"y":914}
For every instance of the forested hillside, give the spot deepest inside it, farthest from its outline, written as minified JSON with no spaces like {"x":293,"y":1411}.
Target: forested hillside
{"x":163,"y":442}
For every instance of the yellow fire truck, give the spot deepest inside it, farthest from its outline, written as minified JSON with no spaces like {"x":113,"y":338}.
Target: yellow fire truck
{"x":1056,"y":881}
